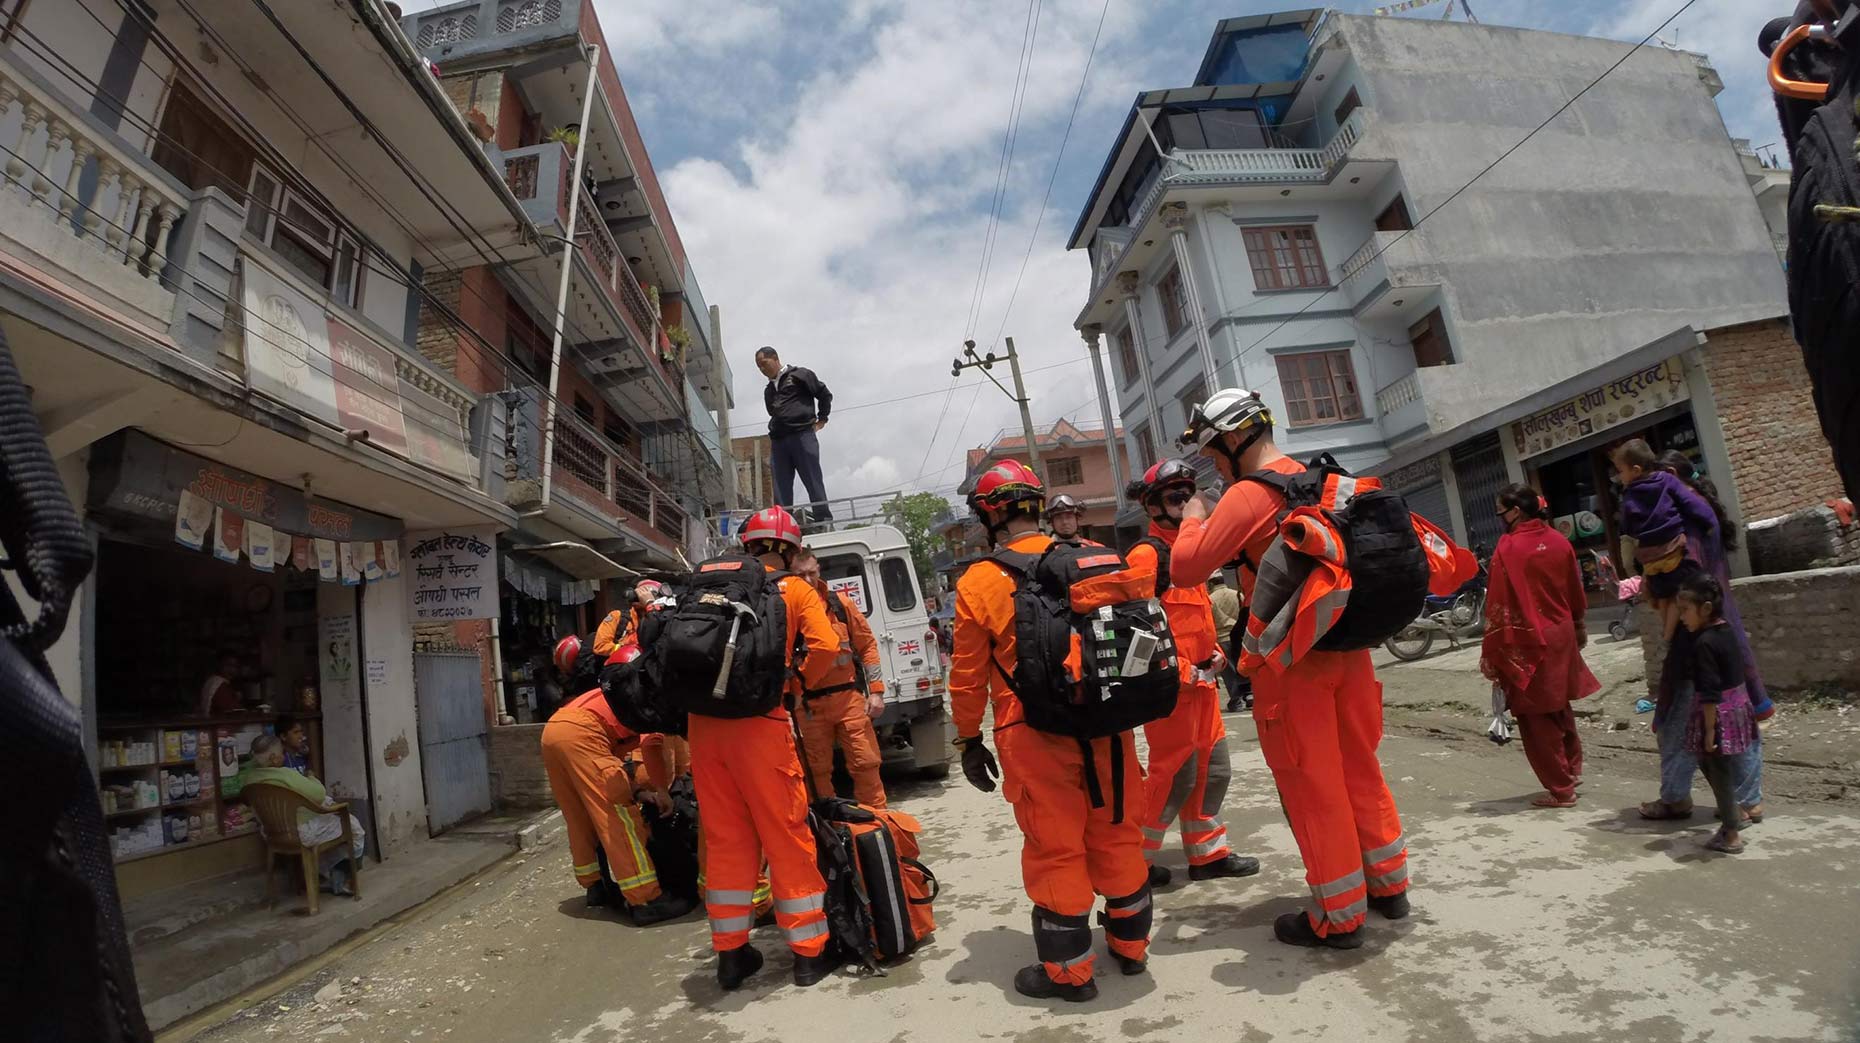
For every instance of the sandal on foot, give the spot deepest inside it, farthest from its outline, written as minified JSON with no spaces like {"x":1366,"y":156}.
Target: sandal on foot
{"x":1549,"y":800}
{"x":1660,"y":810}
{"x":1718,"y":843}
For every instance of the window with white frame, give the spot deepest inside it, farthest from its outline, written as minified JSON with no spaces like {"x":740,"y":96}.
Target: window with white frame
{"x":303,"y":236}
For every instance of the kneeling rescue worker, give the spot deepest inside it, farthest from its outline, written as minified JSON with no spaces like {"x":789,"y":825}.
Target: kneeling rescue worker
{"x":1072,"y":851}
{"x":582,"y":749}
{"x":1320,"y":720}
{"x":845,"y":703}
{"x":751,"y":792}
{"x":1189,"y":768}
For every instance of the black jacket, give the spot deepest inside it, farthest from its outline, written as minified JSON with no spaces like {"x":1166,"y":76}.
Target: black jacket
{"x":795,"y":400}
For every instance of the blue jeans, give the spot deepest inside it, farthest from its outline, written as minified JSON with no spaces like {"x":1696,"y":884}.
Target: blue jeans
{"x":799,"y":453}
{"x":1678,"y":765}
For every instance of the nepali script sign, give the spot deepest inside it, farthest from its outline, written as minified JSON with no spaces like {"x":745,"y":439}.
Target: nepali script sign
{"x":454,"y":574}
{"x":1611,"y":405}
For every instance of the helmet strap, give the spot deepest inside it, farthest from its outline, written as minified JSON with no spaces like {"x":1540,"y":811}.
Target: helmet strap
{"x":1233,"y":455}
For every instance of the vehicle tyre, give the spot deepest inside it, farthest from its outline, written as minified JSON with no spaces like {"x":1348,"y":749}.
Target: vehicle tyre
{"x":1410,"y":644}
{"x":1618,"y":630}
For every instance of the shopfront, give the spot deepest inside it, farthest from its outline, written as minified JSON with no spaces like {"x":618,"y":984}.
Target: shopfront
{"x":1565,"y":453}
{"x":227,"y":606}
{"x":542,"y":604}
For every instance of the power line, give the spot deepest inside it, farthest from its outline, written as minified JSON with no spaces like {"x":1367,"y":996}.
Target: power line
{"x":1384,"y":248}
{"x":1040,"y":217}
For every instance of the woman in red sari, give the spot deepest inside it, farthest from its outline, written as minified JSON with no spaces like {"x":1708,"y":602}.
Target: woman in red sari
{"x":1534,"y":634}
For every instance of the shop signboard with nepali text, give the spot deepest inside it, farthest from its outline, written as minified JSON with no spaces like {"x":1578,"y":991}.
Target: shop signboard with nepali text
{"x":1618,"y":402}
{"x":454,"y":574}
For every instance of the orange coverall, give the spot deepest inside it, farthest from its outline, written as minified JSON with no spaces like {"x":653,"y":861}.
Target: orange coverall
{"x":1071,"y":852}
{"x":1189,"y":768}
{"x":1319,"y":722}
{"x":753,"y":801}
{"x":836,"y":709}
{"x":582,"y":747}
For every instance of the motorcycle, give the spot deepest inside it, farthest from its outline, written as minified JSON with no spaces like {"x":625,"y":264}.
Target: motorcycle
{"x":1456,"y":615}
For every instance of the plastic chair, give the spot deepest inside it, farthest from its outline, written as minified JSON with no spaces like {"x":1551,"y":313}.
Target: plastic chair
{"x":277,"y":807}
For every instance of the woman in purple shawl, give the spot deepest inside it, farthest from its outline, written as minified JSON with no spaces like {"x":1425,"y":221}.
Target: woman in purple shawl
{"x":1666,"y":498}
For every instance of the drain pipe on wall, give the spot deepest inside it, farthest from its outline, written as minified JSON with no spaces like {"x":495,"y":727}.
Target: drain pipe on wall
{"x":568,"y":267}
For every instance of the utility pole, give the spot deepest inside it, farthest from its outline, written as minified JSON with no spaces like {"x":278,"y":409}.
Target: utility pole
{"x":986,"y":363}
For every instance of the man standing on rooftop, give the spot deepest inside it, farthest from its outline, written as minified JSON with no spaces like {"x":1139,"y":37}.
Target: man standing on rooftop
{"x":798,"y":404}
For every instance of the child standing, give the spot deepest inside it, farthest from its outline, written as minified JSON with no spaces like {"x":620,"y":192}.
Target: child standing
{"x":1721,"y":726}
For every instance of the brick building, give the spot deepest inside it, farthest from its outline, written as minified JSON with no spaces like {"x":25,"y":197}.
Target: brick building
{"x":755,"y":481}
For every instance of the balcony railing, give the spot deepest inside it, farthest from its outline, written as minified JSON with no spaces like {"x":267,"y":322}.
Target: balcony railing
{"x":127,"y":219}
{"x":1403,"y":392}
{"x":599,"y":473}
{"x":539,"y":177}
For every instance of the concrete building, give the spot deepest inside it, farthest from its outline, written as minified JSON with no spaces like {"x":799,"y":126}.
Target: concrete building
{"x":1325,"y":224}
{"x":755,"y":480}
{"x":212,"y":258}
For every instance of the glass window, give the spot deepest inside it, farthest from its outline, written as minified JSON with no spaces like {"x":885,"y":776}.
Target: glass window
{"x":262,"y":203}
{"x":1286,"y":258}
{"x":310,"y":261}
{"x":847,"y":572}
{"x":1174,"y":301}
{"x":1066,"y":470}
{"x":1146,"y":447}
{"x":900,"y":592}
{"x":348,"y":273}
{"x":200,"y":148}
{"x":1127,"y":356}
{"x":1319,"y":388}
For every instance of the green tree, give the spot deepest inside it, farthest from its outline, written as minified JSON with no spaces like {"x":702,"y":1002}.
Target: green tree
{"x":916,"y":517}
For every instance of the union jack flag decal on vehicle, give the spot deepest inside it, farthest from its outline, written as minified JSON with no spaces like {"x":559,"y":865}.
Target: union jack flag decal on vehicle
{"x":909,"y":647}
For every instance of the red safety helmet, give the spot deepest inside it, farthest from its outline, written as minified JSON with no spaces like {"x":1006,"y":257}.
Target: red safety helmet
{"x":1005,"y":485}
{"x":625,"y":653}
{"x":1161,"y":476}
{"x":567,"y":651}
{"x":773,"y":523}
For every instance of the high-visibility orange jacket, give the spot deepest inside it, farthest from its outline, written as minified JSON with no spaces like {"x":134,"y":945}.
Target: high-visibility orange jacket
{"x":985,"y":630}
{"x":1191,"y":614}
{"x":594,"y":702}
{"x":620,"y":624}
{"x":856,"y":642}
{"x":809,"y":623}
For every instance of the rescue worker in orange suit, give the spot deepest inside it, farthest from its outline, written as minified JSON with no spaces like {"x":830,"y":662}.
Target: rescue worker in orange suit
{"x":842,"y":707}
{"x":1063,"y":514}
{"x":750,"y":789}
{"x":622,"y":624}
{"x":1071,"y":852}
{"x":1189,"y":769}
{"x":583,"y":751}
{"x":1319,"y":721}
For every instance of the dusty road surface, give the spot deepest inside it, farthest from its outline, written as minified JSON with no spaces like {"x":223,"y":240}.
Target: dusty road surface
{"x":1585,"y":924}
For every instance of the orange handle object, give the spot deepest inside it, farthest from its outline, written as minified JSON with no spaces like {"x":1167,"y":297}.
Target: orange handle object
{"x":1780,"y":82}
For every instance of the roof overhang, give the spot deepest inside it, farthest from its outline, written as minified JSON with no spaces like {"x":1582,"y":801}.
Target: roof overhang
{"x":580,"y":560}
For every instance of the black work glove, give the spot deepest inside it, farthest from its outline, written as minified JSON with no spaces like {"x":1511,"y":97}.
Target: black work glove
{"x":978,"y":765}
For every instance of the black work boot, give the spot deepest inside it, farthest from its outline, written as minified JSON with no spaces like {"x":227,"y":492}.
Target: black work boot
{"x":1127,"y":965}
{"x":811,"y":969}
{"x":1392,"y":907}
{"x":597,"y":895}
{"x":1232,"y":865}
{"x":734,"y":966}
{"x":1033,"y":981}
{"x":660,"y":909}
{"x":1160,"y":876}
{"x":1296,"y":929}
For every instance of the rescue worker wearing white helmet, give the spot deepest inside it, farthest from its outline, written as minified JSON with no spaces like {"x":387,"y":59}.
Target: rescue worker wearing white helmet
{"x":1189,"y":768}
{"x":1320,"y":719}
{"x":1063,"y":515}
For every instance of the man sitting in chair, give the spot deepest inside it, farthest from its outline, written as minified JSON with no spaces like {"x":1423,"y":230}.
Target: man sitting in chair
{"x":333,"y":869}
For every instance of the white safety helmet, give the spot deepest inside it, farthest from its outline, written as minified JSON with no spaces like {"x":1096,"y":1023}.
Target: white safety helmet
{"x":1229,"y":409}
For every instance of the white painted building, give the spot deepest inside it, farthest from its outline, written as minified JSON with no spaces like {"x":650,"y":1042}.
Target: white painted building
{"x":1307,"y":230}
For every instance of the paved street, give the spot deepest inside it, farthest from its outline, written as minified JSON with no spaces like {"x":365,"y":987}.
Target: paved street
{"x":1577,"y":925}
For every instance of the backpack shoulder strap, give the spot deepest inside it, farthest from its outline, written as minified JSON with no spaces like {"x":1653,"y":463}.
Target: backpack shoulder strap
{"x":1268,"y":477}
{"x":1020,"y":563}
{"x":1162,"y":562}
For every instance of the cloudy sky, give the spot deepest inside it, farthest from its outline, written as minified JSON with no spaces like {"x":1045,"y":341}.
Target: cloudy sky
{"x":831,"y":165}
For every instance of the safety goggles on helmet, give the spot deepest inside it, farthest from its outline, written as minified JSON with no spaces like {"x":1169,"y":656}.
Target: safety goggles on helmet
{"x":1005,"y":484}
{"x":1229,"y":409}
{"x":772,"y":524}
{"x":1063,"y":504}
{"x":1164,"y":480}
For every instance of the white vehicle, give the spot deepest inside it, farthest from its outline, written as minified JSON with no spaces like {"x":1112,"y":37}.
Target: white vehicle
{"x":872,"y":564}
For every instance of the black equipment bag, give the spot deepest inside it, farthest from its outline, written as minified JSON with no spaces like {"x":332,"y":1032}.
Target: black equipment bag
{"x":1162,"y":562}
{"x":721,"y":650}
{"x":673,"y":841}
{"x":1388,"y":567}
{"x":639,"y":704}
{"x":849,"y":917}
{"x":1083,"y":600}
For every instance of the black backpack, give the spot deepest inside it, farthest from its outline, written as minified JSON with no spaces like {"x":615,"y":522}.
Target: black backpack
{"x":672,"y":840}
{"x":721,"y":649}
{"x":639,"y":704}
{"x":1388,"y":567}
{"x":850,"y":936}
{"x":1824,"y":237}
{"x":1067,"y":597}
